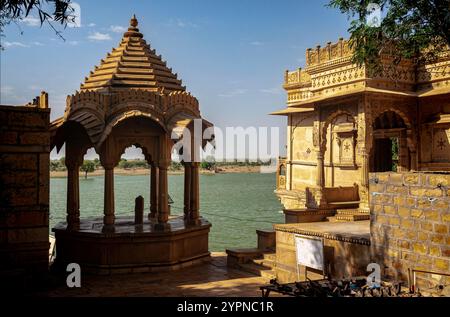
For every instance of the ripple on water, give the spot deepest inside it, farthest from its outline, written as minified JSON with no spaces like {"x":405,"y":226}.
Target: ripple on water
{"x":235,"y":204}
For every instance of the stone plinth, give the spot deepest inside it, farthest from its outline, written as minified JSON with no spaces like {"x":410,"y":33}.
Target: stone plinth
{"x":346,"y":248}
{"x":129,"y":248}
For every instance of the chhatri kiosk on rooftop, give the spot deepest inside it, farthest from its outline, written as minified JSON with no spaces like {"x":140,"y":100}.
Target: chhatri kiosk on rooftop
{"x":132,"y":98}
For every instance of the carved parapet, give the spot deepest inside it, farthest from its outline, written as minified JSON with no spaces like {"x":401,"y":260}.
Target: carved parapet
{"x":331,"y":51}
{"x":86,"y":99}
{"x":183,"y":98}
{"x":296,"y":78}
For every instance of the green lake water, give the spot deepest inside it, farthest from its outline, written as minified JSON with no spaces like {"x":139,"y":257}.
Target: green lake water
{"x":235,"y":204}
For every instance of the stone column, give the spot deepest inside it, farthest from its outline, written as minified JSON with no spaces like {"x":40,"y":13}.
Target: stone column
{"x":108,"y":218}
{"x":364,"y":168}
{"x":163,"y":201}
{"x":154,"y":190}
{"x":364,"y":190}
{"x":320,"y":182}
{"x":195,"y":195}
{"x":73,"y":194}
{"x":187,"y":190}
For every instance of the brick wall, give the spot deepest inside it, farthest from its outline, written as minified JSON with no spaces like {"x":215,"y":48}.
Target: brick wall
{"x":410,"y":220}
{"x":24,"y":190}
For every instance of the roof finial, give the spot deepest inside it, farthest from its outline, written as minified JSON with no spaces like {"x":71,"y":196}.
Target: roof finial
{"x":134,"y":21}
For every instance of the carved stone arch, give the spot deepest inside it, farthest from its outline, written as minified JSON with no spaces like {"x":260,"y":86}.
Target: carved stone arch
{"x":179,"y":110}
{"x":91,"y":120}
{"x":329,"y":120}
{"x":145,"y":107}
{"x":410,"y":133}
{"x":90,"y":106}
{"x":150,"y":156}
{"x":126,"y":115}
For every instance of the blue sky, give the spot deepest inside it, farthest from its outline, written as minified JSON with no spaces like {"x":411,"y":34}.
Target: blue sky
{"x":231,"y":54}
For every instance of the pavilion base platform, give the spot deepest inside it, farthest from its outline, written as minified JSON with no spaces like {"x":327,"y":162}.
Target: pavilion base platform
{"x":346,"y":249}
{"x":130,"y":248}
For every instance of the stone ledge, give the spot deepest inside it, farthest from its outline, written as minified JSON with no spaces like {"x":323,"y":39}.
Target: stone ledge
{"x":332,"y":231}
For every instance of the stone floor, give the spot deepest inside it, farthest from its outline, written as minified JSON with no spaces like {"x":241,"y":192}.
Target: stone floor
{"x":209,"y":279}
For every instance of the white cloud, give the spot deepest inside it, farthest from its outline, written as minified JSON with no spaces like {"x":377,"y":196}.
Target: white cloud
{"x":91,"y":25}
{"x":181,"y":23}
{"x":272,"y":91}
{"x":73,"y":43}
{"x":13,"y":44}
{"x":37,"y":43}
{"x":97,"y":36}
{"x":117,"y":28}
{"x":233,"y":93}
{"x":256,"y":43}
{"x":31,"y":21}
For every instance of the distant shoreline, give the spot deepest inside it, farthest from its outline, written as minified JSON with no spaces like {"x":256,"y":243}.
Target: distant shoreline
{"x":144,"y":171}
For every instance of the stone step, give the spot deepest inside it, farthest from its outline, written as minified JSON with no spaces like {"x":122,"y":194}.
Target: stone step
{"x":352,"y":217}
{"x":258,"y":270}
{"x":269,"y":264}
{"x":241,"y":256}
{"x":270,"y":256}
{"x":332,"y":219}
{"x":353,"y":211}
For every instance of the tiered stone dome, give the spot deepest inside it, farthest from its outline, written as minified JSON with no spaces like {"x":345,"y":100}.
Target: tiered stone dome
{"x":133,"y":65}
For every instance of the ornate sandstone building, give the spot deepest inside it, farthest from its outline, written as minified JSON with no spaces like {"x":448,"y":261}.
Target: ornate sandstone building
{"x":343,"y":124}
{"x":363,"y":147}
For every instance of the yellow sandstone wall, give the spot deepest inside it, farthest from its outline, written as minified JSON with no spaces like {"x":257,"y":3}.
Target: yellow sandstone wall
{"x":24,"y":191}
{"x":410,"y":220}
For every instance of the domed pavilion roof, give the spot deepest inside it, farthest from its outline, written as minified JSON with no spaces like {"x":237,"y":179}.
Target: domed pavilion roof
{"x":133,"y":64}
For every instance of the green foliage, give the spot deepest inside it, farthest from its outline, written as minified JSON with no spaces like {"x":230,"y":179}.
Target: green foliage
{"x":175,"y":166}
{"x":87,"y":167}
{"x":57,"y":166}
{"x":417,"y":30}
{"x":394,"y":153}
{"x":47,"y":11}
{"x":132,"y":164}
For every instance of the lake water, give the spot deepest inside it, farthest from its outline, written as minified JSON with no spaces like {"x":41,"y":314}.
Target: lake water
{"x":235,"y":204}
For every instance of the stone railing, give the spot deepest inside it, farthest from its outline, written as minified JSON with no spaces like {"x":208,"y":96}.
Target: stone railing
{"x":331,"y":51}
{"x":296,"y":77}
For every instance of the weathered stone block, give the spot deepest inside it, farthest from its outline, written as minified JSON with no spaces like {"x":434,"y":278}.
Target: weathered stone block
{"x":432,"y":215}
{"x":391,"y":210}
{"x":420,"y":248}
{"x":422,"y":236}
{"x":417,"y":213}
{"x":435,"y":251}
{"x":441,"y":264}
{"x":411,"y":179}
{"x":402,"y":190}
{"x":8,"y":137}
{"x":427,"y":226}
{"x":403,"y":212}
{"x":35,"y":138}
{"x":435,"y":180}
{"x":439,"y":228}
{"x":438,"y":238}
{"x":426,"y":192}
{"x":14,"y":162}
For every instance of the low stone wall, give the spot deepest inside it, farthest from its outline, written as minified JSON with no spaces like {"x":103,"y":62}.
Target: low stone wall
{"x":24,"y":190}
{"x":345,"y":256}
{"x":410,"y":219}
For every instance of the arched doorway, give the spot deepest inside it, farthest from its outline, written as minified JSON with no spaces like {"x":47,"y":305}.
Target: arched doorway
{"x":390,"y":151}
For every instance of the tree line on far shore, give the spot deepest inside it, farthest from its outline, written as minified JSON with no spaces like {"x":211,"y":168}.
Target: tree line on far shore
{"x":89,"y":166}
